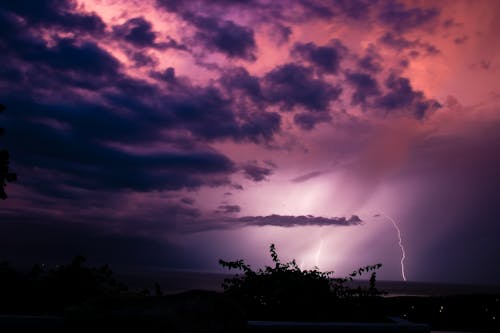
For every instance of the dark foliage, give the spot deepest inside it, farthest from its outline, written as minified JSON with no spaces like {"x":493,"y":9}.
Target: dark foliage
{"x":285,"y":292}
{"x":5,"y":175}
{"x":53,"y":290}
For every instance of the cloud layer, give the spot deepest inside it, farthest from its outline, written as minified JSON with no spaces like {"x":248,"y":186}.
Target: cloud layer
{"x":166,"y":116}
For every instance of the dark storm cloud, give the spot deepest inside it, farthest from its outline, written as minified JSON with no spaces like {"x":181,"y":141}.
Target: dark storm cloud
{"x":365,"y":87}
{"x":167,"y":75}
{"x":261,"y":126}
{"x":64,"y":54}
{"x":65,"y":138}
{"x":253,"y":171}
{"x":67,"y":55}
{"x":325,"y":58}
{"x":239,"y":79}
{"x":68,"y":64}
{"x":61,"y":65}
{"x":210,"y":115}
{"x":137,"y":31}
{"x":371,"y":61}
{"x":225,"y":36}
{"x":400,"y":43}
{"x":58,"y":13}
{"x":294,"y":221}
{"x":292,"y":85}
{"x":402,"y":98}
{"x":398,"y":17}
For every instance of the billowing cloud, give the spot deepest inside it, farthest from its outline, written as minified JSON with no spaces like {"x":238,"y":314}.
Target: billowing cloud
{"x":136,"y":31}
{"x":293,"y":85}
{"x":365,"y":87}
{"x":225,"y":36}
{"x":401,"y":97}
{"x":325,"y":58}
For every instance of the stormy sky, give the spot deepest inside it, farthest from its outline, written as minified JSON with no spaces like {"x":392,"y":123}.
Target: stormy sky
{"x":169,"y":134}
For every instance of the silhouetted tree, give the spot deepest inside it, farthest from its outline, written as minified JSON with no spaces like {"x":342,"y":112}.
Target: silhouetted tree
{"x":284,"y":291}
{"x":5,"y":175}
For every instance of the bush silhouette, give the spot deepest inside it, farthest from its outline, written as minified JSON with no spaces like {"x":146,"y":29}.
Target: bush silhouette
{"x":53,"y":290}
{"x":284,"y":291}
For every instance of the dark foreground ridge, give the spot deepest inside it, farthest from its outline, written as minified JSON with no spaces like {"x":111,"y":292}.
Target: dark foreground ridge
{"x":78,"y":298}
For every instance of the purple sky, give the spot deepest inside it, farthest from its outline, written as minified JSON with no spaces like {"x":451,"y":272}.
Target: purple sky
{"x":170,"y":133}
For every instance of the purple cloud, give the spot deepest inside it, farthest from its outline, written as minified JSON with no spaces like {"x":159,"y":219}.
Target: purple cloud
{"x":292,"y":85}
{"x":293,"y":221}
{"x":228,"y":209}
{"x":400,"y":18}
{"x":402,"y":98}
{"x":326,"y":58}
{"x":253,"y":171}
{"x":365,"y":87}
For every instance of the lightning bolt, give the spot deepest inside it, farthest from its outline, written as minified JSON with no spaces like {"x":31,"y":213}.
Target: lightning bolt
{"x":400,"y":242}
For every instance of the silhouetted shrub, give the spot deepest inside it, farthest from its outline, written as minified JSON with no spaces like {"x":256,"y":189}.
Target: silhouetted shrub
{"x":285,"y":291}
{"x":52,"y":290}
